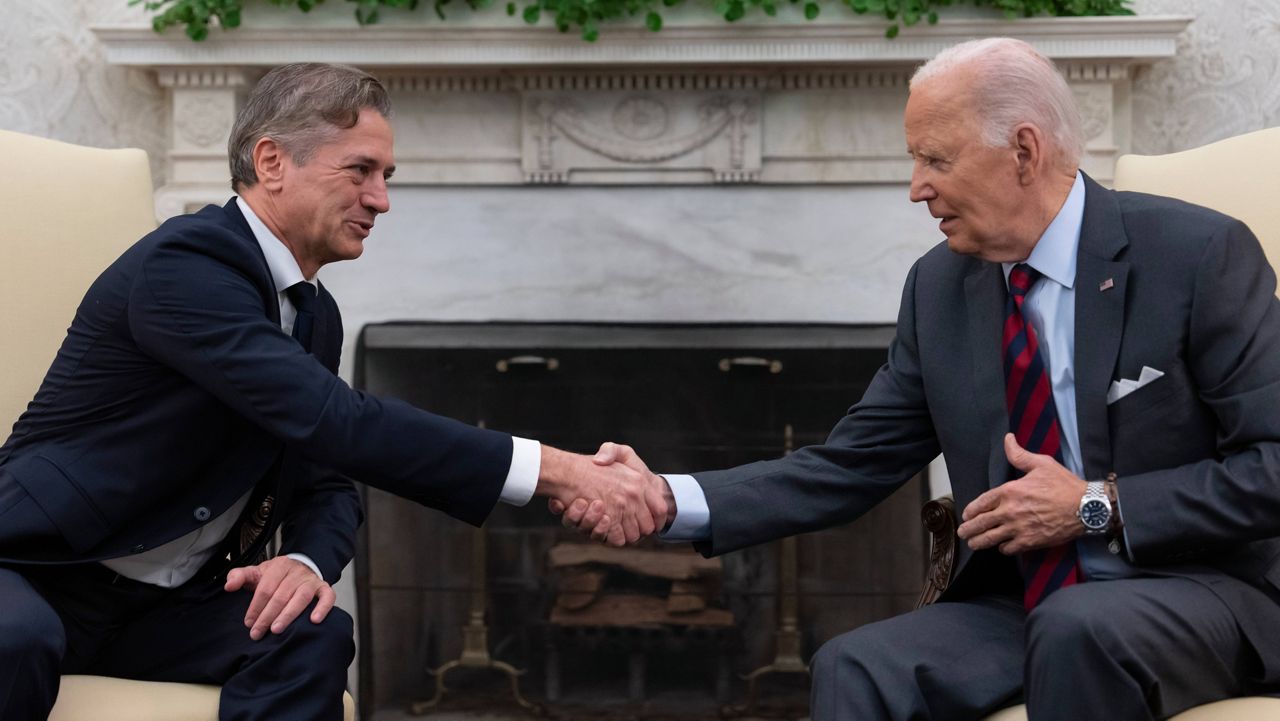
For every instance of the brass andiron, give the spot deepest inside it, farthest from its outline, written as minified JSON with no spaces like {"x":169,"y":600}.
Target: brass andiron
{"x":475,"y":636}
{"x":787,"y":638}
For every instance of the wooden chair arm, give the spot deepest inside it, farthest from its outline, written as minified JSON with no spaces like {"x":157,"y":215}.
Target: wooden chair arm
{"x":939,"y":518}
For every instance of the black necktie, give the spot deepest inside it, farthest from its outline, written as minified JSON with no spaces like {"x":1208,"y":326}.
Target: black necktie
{"x":303,"y":297}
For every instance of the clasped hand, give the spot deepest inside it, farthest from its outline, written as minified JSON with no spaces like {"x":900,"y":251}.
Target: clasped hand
{"x":1038,"y":510}
{"x":637,"y":503}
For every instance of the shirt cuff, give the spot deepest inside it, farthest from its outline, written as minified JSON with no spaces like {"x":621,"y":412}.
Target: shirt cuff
{"x":522,"y":478}
{"x":306,"y":561}
{"x":693,"y":517}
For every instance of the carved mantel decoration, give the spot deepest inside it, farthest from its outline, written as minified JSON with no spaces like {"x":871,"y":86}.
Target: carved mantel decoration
{"x":816,"y":103}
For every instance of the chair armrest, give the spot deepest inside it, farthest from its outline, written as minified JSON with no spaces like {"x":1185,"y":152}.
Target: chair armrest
{"x":939,"y":518}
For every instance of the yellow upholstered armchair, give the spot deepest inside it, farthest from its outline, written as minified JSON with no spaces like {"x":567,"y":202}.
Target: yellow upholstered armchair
{"x":69,"y":212}
{"x":1238,"y":176}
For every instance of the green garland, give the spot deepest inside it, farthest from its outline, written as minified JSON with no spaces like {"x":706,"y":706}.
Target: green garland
{"x":588,"y":15}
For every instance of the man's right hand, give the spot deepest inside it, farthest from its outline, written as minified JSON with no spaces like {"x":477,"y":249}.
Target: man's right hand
{"x":621,"y":501}
{"x":590,"y":517}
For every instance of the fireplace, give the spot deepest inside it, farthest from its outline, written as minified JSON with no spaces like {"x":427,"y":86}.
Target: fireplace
{"x":688,"y":397}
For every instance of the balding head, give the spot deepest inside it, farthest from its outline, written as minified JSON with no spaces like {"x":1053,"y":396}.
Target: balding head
{"x":1010,"y":83}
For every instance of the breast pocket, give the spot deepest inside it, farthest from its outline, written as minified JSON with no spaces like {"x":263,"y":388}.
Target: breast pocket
{"x":1162,"y":395}
{"x":1160,"y":425}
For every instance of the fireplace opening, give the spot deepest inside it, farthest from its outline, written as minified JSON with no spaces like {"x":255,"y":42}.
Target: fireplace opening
{"x":526,"y":612}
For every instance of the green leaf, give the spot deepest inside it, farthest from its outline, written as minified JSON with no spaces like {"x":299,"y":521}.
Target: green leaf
{"x":933,"y":18}
{"x":811,"y":10}
{"x":735,"y":12}
{"x":892,"y":31}
{"x":511,"y":9}
{"x":532,"y":14}
{"x":653,"y":21}
{"x":769,"y":9}
{"x":197,"y":32}
{"x":590,"y":32}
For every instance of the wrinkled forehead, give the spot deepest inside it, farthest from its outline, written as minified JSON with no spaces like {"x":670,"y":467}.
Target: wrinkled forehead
{"x":940,"y":106}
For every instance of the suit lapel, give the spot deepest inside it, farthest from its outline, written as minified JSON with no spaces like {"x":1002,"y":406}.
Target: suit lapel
{"x":985,"y":297}
{"x":270,"y":295}
{"x":1101,"y":286}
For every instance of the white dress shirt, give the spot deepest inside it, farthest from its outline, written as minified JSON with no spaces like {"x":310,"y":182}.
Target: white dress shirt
{"x":1051,"y":310}
{"x":176,"y":562}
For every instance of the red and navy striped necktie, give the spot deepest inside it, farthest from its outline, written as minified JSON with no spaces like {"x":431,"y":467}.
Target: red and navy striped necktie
{"x":1033,"y":419}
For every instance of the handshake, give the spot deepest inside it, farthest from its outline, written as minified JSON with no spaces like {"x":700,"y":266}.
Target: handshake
{"x":613,"y":496}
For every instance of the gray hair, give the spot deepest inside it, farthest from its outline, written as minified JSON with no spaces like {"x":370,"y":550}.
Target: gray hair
{"x":301,"y":106}
{"x":1013,"y":83}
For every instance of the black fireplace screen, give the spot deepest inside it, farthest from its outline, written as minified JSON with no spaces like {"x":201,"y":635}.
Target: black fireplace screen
{"x":655,"y":632}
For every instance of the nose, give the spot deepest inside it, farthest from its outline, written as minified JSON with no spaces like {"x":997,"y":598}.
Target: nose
{"x":375,"y":197}
{"x":921,"y":188}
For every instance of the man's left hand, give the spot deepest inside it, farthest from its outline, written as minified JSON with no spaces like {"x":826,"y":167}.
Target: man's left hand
{"x":1039,"y":510}
{"x":282,"y":590}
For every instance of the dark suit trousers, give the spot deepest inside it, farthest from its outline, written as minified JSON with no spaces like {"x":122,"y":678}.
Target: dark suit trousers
{"x":85,"y":619}
{"x":1129,"y":649}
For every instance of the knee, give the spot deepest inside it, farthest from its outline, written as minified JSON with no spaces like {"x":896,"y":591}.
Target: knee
{"x":851,"y":659}
{"x":333,"y":637}
{"x":1063,"y":624}
{"x":32,"y":638}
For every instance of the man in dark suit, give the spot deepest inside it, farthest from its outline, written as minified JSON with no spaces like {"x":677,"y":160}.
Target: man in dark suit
{"x":195,"y":396}
{"x":1101,"y":373}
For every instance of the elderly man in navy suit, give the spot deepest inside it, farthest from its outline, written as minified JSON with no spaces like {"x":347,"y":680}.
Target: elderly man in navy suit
{"x":1101,"y":372}
{"x":195,"y":396}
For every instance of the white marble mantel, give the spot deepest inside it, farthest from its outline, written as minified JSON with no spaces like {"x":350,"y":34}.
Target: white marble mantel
{"x":709,"y":172}
{"x":482,"y":99}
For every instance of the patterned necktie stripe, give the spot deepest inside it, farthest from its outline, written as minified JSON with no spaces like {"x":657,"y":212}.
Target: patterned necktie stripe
{"x":1033,"y":418}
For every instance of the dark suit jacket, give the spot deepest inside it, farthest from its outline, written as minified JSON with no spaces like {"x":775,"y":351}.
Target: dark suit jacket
{"x":176,"y":391}
{"x":1197,"y":452}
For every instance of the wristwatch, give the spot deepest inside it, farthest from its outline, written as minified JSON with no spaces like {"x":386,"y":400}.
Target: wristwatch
{"x":1095,"y":509}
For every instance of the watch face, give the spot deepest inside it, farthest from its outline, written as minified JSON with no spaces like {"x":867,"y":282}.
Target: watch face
{"x":1095,"y":515}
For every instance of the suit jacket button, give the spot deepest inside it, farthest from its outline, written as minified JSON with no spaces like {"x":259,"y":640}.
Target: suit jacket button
{"x":202,"y":514}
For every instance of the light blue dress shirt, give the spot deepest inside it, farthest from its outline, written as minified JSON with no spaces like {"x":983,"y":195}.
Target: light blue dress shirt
{"x":1050,"y":308}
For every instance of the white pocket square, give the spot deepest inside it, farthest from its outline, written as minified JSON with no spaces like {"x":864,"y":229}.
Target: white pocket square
{"x":1123,"y":387}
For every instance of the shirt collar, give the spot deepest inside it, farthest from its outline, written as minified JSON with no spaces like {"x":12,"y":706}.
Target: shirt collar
{"x":280,"y":261}
{"x":1056,"y":251}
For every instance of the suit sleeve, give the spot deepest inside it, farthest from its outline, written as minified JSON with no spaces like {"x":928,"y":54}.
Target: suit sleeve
{"x":879,"y":444}
{"x":322,"y":524}
{"x":1233,"y":353}
{"x":194,"y":310}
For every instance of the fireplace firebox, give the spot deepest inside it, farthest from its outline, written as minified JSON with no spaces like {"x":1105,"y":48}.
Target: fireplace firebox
{"x":653,"y":633}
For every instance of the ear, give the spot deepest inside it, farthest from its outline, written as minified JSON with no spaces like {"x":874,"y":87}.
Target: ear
{"x":1029,"y":149}
{"x":269,"y":161}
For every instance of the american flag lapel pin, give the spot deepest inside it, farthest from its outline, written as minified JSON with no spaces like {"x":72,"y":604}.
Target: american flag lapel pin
{"x":1107,"y":284}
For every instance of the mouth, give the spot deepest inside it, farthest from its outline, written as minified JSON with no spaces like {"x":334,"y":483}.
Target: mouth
{"x":361,"y":227}
{"x":948,"y":223}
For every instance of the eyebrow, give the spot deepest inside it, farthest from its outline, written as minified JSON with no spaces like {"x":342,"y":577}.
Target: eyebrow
{"x":366,"y":160}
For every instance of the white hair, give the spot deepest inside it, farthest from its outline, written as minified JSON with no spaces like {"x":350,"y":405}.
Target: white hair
{"x":1012,"y":84}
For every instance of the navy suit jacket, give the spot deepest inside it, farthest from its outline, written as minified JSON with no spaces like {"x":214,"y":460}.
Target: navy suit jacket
{"x":175,"y":392}
{"x":1197,"y":452}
